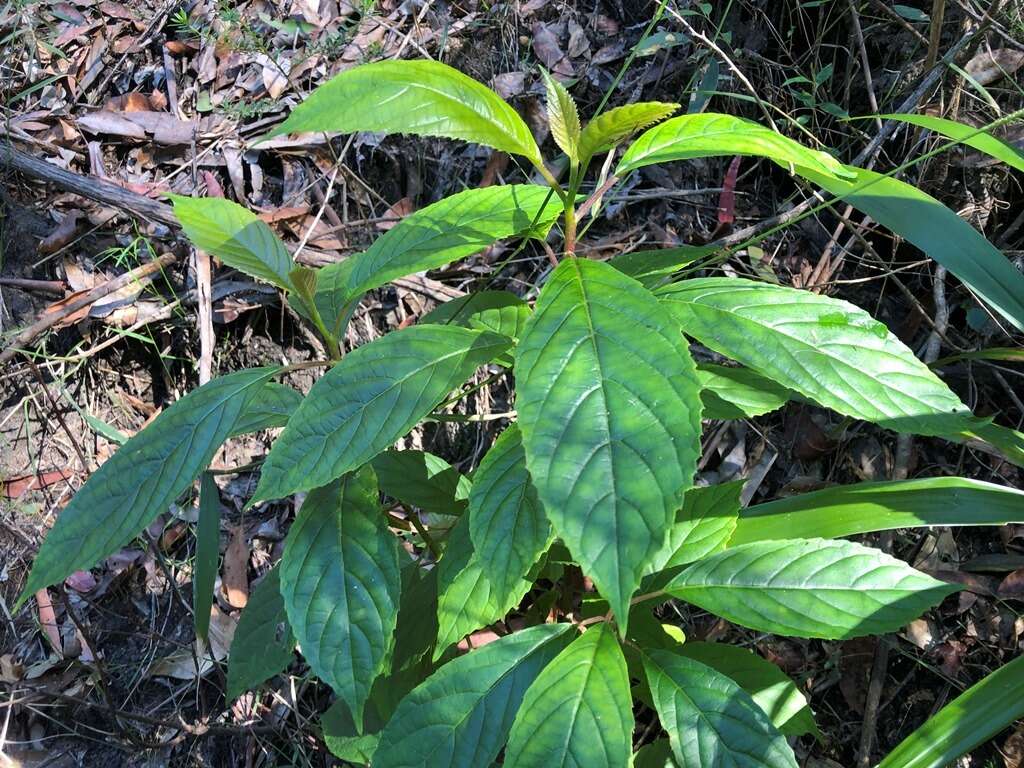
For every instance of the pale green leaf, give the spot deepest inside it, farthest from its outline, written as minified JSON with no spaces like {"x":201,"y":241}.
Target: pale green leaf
{"x":971,"y":719}
{"x":332,"y":298}
{"x":809,"y":588}
{"x":236,"y":236}
{"x":711,"y":135}
{"x":710,"y":720}
{"x":563,"y":117}
{"x":767,"y":685}
{"x":703,"y":525}
{"x":609,"y":128}
{"x":610,"y":426}
{"x":578,"y":712}
{"x":737,"y":393}
{"x":452,"y":229}
{"x":825,"y":349}
{"x":263,"y":643}
{"x":207,"y":553}
{"x":939,"y":232}
{"x":506,"y":520}
{"x":966,"y":134}
{"x":422,"y":480}
{"x":426,"y":98}
{"x":144,"y":477}
{"x":340,"y":582}
{"x":460,"y":716}
{"x":271,"y":406}
{"x":866,"y":507}
{"x":375,"y":395}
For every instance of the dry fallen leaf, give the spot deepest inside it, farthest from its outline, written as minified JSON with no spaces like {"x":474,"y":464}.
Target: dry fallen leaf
{"x":988,"y":66}
{"x":235,"y":578}
{"x":48,"y":620}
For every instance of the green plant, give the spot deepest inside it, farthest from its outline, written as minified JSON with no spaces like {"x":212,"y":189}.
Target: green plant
{"x":594,"y":475}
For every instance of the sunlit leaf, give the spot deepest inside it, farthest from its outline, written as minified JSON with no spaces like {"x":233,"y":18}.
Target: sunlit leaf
{"x":563,"y":118}
{"x":616,"y":125}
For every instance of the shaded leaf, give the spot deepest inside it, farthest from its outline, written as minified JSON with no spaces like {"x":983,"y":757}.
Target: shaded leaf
{"x":271,"y":406}
{"x":207,"y":553}
{"x":263,"y":644}
{"x":422,"y":480}
{"x":738,"y":393}
{"x":652,"y":267}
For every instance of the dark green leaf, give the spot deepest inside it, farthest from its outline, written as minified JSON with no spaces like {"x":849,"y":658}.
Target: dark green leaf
{"x":502,"y":312}
{"x":611,"y":428}
{"x":452,"y":229}
{"x":263,"y":644}
{"x":738,"y":393}
{"x":578,"y":711}
{"x":376,"y":394}
{"x":422,"y":480}
{"x":426,"y":98}
{"x":652,"y":267}
{"x":809,"y":588}
{"x":460,"y":716}
{"x":207,"y":553}
{"x":657,"y":754}
{"x":235,"y":236}
{"x":866,"y":507}
{"x":271,"y":406}
{"x":340,"y":582}
{"x":144,"y":477}
{"x":710,"y":720}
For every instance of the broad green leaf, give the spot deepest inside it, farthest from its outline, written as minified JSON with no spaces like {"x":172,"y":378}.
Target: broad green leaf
{"x":606,"y":130}
{"x":767,"y":685}
{"x":939,"y":232}
{"x":332,"y":298}
{"x":207,"y":553}
{"x":866,"y":507}
{"x":143,"y":478}
{"x":506,"y":520}
{"x":809,"y":588}
{"x":452,"y":229}
{"x":609,"y":411}
{"x":271,"y":406}
{"x":657,"y":754}
{"x":422,"y":480}
{"x":825,"y":349}
{"x":263,"y":643}
{"x":966,"y":134}
{"x":502,"y":312}
{"x":563,"y":117}
{"x":710,"y":135}
{"x":470,"y":595}
{"x":460,"y":716}
{"x":416,"y":630}
{"x":340,"y":582}
{"x":426,"y":98}
{"x":971,"y":719}
{"x":652,"y":267}
{"x":578,"y":711}
{"x":703,"y":525}
{"x":710,"y":720}
{"x":738,"y":393}
{"x":376,"y":394}
{"x":236,"y":236}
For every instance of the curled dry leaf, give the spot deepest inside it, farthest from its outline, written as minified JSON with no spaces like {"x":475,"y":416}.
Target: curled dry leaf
{"x":62,"y":235}
{"x":988,"y":66}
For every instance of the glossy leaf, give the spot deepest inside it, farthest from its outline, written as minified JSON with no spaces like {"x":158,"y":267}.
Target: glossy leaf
{"x":767,"y":685}
{"x":471,"y":594}
{"x":578,"y":712}
{"x":271,"y":406}
{"x":825,"y":349}
{"x":865,"y":507}
{"x":652,"y":267}
{"x":340,"y":582}
{"x":611,"y":428}
{"x":376,"y":394}
{"x":938,"y":232}
{"x":143,"y":478}
{"x":452,"y":229}
{"x":966,"y":134}
{"x":703,"y":525}
{"x":236,"y":236}
{"x":460,"y":716}
{"x":711,"y":135}
{"x":616,"y":125}
{"x":809,"y":588}
{"x":422,"y":480}
{"x":738,"y":393}
{"x":207,"y":553}
{"x":426,"y":98}
{"x":506,"y":520}
{"x":563,"y":117}
{"x":710,"y":720}
{"x":968,"y":721}
{"x":263,"y":643}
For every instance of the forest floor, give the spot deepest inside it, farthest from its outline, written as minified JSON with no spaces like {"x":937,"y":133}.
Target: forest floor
{"x":153,"y":97}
